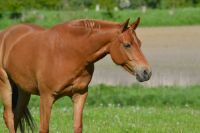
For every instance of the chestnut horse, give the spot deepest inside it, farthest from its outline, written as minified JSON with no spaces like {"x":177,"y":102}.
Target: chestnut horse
{"x":59,"y":62}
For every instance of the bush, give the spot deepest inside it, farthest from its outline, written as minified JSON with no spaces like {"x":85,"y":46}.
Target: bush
{"x":103,"y":95}
{"x":107,"y":4}
{"x":175,"y":3}
{"x":50,"y":4}
{"x":15,"y":15}
{"x":164,"y":3}
{"x":19,"y":5}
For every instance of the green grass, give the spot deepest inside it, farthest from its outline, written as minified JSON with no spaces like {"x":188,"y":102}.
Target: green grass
{"x":156,"y":17}
{"x":128,"y":109}
{"x":124,"y":120}
{"x":134,"y":119}
{"x":136,"y":95}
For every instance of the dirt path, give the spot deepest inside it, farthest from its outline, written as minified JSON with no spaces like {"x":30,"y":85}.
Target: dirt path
{"x":173,"y":52}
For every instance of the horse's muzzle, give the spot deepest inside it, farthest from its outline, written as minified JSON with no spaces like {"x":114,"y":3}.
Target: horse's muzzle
{"x":143,"y":74}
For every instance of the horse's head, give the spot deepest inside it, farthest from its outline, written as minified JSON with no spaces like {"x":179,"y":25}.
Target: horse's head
{"x":125,"y":50}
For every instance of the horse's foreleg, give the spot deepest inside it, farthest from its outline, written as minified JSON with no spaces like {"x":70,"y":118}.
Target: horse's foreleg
{"x":46,"y":102}
{"x":78,"y":101}
{"x":6,"y":97}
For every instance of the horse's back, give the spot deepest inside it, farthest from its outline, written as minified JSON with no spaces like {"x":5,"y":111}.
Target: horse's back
{"x":14,"y":33}
{"x":12,"y":42}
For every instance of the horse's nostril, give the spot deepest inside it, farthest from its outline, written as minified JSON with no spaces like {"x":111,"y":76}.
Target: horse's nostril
{"x":145,"y":72}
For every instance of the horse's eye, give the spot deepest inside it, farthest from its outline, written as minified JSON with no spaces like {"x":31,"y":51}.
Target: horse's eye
{"x":127,"y":45}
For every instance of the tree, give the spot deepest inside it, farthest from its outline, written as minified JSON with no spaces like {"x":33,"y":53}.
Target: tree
{"x":107,"y":4}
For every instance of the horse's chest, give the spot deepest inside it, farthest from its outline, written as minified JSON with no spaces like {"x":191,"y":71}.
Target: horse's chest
{"x":82,"y":80}
{"x":78,"y":83}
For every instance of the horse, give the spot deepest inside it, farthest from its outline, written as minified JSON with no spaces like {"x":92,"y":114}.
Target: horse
{"x":59,"y":61}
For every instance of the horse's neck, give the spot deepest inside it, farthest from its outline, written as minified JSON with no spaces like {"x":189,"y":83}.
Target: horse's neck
{"x":99,"y":46}
{"x":92,"y":42}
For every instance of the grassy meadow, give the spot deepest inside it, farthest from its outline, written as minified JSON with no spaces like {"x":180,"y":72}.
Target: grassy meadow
{"x":174,"y":55}
{"x":155,"y":17}
{"x":122,"y":109}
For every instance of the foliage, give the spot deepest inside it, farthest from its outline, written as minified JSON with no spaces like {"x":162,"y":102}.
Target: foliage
{"x":174,"y":3}
{"x":156,"y":17}
{"x":121,"y":96}
{"x":11,"y":5}
{"x":137,"y":3}
{"x":20,"y":5}
{"x":128,"y":109}
{"x":148,"y":3}
{"x":122,"y":120}
{"x":142,"y":96}
{"x":107,"y":4}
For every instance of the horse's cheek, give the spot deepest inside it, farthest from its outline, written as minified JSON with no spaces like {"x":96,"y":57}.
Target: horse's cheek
{"x":117,"y":56}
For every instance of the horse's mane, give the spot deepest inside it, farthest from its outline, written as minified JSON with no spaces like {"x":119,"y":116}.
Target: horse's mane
{"x":94,"y":24}
{"x":86,"y":26}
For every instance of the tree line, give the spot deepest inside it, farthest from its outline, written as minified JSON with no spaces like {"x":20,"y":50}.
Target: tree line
{"x":18,"y":5}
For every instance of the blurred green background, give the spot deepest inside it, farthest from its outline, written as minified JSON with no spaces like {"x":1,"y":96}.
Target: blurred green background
{"x":152,"y":12}
{"x":172,"y":105}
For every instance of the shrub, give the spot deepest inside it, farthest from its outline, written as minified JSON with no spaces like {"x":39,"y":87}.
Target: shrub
{"x":174,"y":3}
{"x":18,"y":5}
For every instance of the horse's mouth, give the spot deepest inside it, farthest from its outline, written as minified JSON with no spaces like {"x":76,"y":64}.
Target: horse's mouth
{"x":129,"y":68}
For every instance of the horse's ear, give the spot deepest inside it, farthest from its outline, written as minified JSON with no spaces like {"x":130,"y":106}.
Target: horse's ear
{"x":135,"y":24}
{"x":125,"y":25}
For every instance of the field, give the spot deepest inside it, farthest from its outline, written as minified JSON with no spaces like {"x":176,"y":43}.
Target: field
{"x":173,"y":53}
{"x":125,"y":120}
{"x":120,"y":109}
{"x":168,"y":103}
{"x":156,"y":17}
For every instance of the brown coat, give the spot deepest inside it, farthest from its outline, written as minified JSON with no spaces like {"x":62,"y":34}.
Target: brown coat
{"x":60,"y":61}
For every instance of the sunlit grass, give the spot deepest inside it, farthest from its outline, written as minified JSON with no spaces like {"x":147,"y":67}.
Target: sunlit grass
{"x":124,"y":120}
{"x":136,"y":95}
{"x":156,"y":17}
{"x":122,"y":109}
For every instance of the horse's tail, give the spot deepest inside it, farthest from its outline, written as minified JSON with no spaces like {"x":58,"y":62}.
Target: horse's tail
{"x":27,"y":120}
{"x":22,"y":116}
